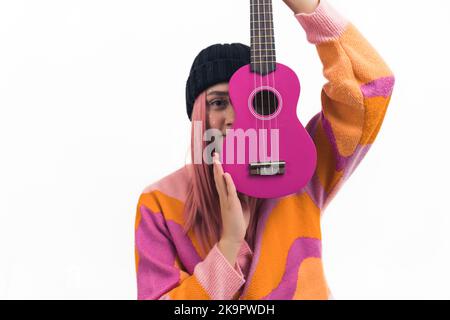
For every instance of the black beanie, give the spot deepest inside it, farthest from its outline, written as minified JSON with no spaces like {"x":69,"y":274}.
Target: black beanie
{"x":213,"y":65}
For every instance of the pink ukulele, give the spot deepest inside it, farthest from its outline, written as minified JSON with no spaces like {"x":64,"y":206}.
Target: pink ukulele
{"x":269,"y":154}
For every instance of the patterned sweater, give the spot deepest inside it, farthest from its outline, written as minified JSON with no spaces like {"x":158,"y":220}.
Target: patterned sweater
{"x":286,"y":260}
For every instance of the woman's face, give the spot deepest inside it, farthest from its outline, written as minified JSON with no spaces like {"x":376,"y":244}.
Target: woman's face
{"x":220,"y":112}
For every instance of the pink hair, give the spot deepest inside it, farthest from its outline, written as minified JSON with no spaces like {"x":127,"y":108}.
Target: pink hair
{"x":202,"y":207}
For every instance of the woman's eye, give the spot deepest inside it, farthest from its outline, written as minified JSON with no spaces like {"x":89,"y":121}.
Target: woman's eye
{"x":219,"y":103}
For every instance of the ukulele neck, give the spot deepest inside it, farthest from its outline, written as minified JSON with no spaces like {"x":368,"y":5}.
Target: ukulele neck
{"x":263,"y":58}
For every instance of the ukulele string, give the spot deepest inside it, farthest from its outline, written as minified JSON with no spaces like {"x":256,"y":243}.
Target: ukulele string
{"x":261,"y":75}
{"x":266,"y":62}
{"x":253,"y":20}
{"x":273,"y":76}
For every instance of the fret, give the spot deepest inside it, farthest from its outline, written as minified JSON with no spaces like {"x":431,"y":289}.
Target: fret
{"x":264,"y":49}
{"x":260,"y":46}
{"x":262,"y":24}
{"x":264,"y":63}
{"x":260,"y":15}
{"x":264,"y":55}
{"x":256,"y":23}
{"x":261,"y":62}
{"x":263,"y":30}
{"x":263,"y":58}
{"x":261,"y":27}
{"x":260,"y":4}
{"x":260,"y":56}
{"x":271,"y":57}
{"x":262,"y":40}
{"x":261,"y":21}
{"x":264,"y":43}
{"x":266,"y":36}
{"x":263,"y":10}
{"x":267,"y":64}
{"x":257,"y":29}
{"x":270,"y":29}
{"x":262,"y":35}
{"x":267,"y":15}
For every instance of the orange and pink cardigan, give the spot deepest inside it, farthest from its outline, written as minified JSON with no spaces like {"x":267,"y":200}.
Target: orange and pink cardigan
{"x":286,"y":261}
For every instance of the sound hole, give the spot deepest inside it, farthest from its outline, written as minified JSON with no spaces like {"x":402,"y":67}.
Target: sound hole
{"x":265,"y":103}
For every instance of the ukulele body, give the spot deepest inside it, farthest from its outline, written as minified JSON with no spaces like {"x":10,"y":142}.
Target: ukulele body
{"x":267,"y":105}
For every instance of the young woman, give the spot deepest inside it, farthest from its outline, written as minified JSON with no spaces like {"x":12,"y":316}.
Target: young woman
{"x":196,"y":237}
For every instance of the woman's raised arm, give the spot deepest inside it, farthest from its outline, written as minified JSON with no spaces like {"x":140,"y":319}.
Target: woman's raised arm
{"x":354,"y":100}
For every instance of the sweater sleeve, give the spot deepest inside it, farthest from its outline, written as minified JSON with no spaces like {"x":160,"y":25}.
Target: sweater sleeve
{"x":160,"y":275}
{"x":354,"y":99}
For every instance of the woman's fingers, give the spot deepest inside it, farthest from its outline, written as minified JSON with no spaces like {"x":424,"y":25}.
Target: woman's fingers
{"x":224,"y":182}
{"x":231,"y":188}
{"x":218,"y":177}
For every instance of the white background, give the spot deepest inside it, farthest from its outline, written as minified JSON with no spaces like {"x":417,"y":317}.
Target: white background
{"x":92,"y":102}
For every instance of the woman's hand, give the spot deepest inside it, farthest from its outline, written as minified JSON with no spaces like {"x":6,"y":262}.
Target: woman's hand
{"x":235,"y":215}
{"x":302,"y":6}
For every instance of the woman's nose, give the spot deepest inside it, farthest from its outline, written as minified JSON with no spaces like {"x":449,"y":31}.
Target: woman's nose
{"x":229,"y":117}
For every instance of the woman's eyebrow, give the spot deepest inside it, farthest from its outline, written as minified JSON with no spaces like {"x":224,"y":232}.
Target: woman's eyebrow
{"x":219,"y":93}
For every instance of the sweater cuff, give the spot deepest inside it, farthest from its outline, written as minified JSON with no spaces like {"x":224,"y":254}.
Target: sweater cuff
{"x":245,"y":249}
{"x":324,"y":24}
{"x":217,"y":276}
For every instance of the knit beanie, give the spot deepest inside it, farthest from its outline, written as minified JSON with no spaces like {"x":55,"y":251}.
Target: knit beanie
{"x":213,"y":65}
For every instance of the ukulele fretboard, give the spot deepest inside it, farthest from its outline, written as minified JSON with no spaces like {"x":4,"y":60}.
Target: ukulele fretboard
{"x":263,"y":56}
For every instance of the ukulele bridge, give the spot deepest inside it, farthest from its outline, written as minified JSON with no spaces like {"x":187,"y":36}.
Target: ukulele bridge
{"x":267,"y":168}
